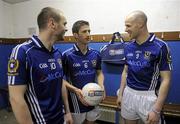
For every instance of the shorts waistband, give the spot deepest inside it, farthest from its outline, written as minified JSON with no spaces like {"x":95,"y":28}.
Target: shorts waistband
{"x":139,"y":92}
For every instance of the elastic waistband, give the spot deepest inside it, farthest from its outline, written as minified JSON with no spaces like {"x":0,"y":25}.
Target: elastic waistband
{"x":139,"y":92}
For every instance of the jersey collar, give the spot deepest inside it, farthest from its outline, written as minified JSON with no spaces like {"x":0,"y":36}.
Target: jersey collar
{"x":39,"y":43}
{"x":76,"y":48}
{"x":149,"y":39}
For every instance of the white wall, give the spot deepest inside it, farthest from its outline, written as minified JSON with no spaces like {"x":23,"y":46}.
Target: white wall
{"x":105,"y":16}
{"x":6,"y":27}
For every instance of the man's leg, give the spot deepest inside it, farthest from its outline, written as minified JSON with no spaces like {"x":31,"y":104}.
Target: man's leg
{"x":92,"y":116}
{"x":88,"y":122}
{"x":78,"y":118}
{"x":128,"y":107}
{"x":131,"y":121}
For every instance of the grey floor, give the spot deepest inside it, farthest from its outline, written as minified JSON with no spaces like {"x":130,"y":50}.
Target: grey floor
{"x":7,"y":117}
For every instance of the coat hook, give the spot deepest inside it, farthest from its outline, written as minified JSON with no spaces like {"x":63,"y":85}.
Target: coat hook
{"x":91,"y":38}
{"x":103,"y":38}
{"x":69,"y":39}
{"x":162,"y":35}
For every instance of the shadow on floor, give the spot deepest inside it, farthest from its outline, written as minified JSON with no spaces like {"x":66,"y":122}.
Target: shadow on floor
{"x":7,"y":117}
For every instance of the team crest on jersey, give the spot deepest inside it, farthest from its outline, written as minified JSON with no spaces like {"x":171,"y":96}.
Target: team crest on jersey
{"x":59,"y":62}
{"x":94,"y":63}
{"x":13,"y":65}
{"x":147,"y":55}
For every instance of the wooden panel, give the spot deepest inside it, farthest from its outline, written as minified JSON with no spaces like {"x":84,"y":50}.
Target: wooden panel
{"x":168,"y":109}
{"x":12,"y":40}
{"x":167,"y":36}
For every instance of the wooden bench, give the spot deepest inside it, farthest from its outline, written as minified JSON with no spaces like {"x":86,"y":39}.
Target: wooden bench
{"x":171,"y":110}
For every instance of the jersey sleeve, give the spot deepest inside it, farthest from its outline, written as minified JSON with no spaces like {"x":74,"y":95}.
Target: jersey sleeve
{"x":165,"y":59}
{"x":17,"y":67}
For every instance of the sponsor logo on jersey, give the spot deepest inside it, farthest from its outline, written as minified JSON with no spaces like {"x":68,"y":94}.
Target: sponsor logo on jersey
{"x":43,"y":65}
{"x":138,"y":51}
{"x":51,"y":77}
{"x":76,"y":65}
{"x":130,"y":54}
{"x":51,"y":60}
{"x":139,"y":63}
{"x":84,"y":73}
{"x":13,"y":65}
{"x":85,"y":61}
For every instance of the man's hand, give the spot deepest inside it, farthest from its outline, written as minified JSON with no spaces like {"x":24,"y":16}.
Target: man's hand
{"x":119,"y":100}
{"x":153,"y":118}
{"x":80,"y":96}
{"x":68,"y":118}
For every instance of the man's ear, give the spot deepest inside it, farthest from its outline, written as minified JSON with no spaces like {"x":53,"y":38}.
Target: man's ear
{"x":51,"y":23}
{"x":141,"y":25}
{"x":75,"y":35}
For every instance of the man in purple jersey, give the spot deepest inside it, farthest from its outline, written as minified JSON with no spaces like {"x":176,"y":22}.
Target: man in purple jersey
{"x":35,"y":76}
{"x":82,"y":65}
{"x":146,"y":76}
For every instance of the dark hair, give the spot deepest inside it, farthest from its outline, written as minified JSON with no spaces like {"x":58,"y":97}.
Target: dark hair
{"x":45,"y":14}
{"x":78,"y":24}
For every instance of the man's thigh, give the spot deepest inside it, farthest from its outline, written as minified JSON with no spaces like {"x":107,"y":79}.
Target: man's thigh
{"x":78,"y":118}
{"x":93,"y":114}
{"x":128,"y":110}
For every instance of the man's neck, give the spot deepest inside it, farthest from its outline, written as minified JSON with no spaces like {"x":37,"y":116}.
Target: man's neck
{"x":142,"y":38}
{"x":83,"y":48}
{"x":46,"y":40}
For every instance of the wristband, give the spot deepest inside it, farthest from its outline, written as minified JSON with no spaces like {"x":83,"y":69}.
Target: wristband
{"x":155,"y":111}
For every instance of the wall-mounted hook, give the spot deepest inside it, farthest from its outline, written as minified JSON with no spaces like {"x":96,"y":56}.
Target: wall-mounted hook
{"x":103,"y":38}
{"x":69,"y":39}
{"x":162,"y":35}
{"x":91,"y":38}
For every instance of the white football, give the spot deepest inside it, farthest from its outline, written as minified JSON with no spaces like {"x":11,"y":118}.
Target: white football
{"x":93,"y":93}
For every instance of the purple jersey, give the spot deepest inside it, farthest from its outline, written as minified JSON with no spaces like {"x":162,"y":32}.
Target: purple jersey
{"x":31,"y":64}
{"x":145,"y":62}
{"x":80,"y":69}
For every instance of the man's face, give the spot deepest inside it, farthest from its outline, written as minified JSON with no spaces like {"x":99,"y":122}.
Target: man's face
{"x":61,"y":28}
{"x":132,"y":28}
{"x":83,"y":35}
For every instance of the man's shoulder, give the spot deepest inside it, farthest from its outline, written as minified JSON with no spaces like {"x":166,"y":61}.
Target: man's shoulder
{"x":68,"y":52}
{"x":159,"y":42}
{"x":23,"y":47}
{"x":94,"y":51}
{"x":129,"y":44}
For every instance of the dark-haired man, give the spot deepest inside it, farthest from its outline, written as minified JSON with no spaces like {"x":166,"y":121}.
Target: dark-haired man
{"x":82,"y":65}
{"x":35,"y":75}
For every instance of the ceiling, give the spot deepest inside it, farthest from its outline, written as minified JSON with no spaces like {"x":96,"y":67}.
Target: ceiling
{"x":14,"y":1}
